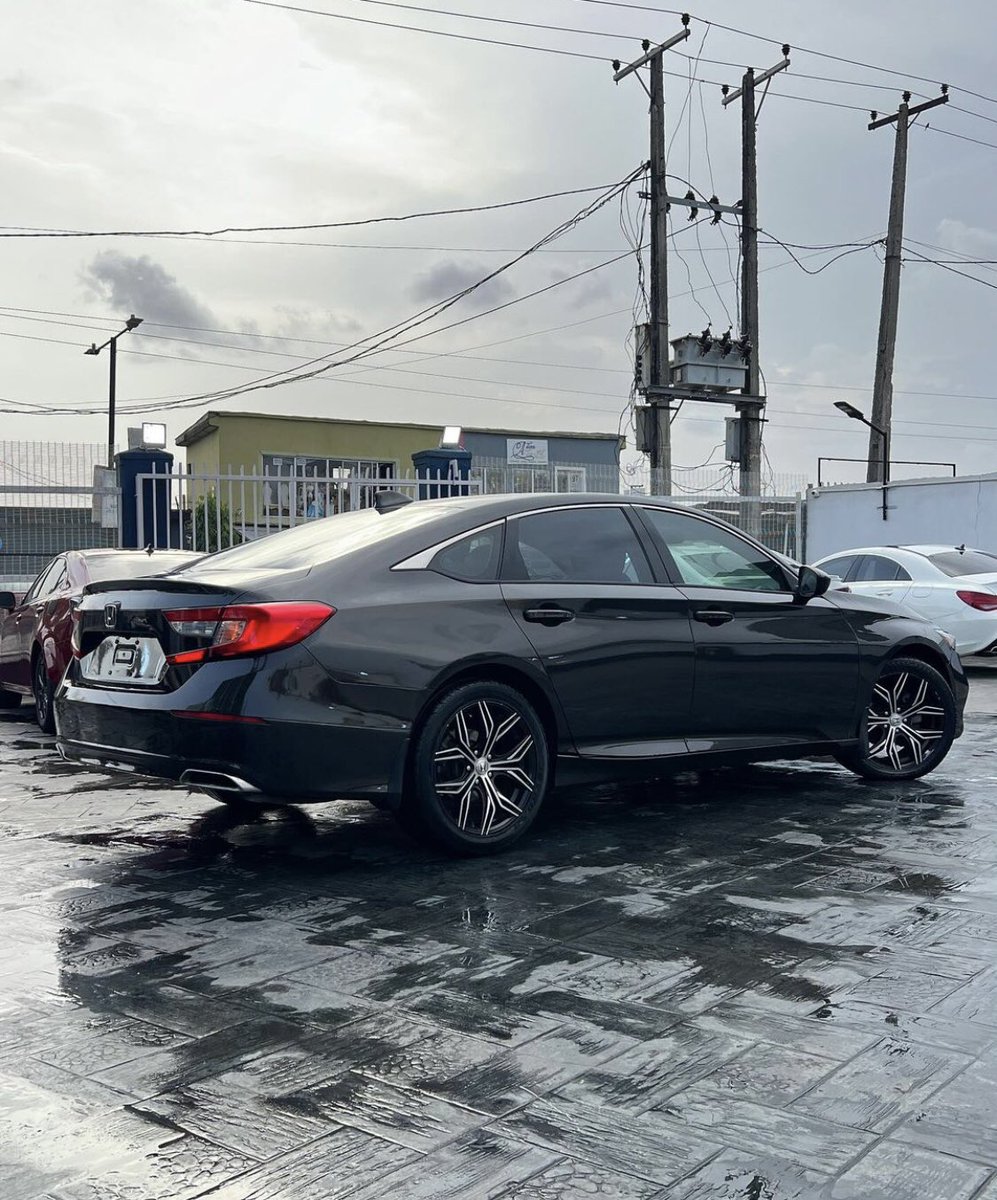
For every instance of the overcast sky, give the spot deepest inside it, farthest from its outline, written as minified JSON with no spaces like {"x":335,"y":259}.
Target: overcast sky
{"x":199,"y":114}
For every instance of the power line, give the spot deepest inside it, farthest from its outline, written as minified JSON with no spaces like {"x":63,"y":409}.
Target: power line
{"x":797,"y":49}
{"x":946,"y":267}
{"x":28,"y":231}
{"x":462,"y":37}
{"x":373,"y":343}
{"x":961,"y":136}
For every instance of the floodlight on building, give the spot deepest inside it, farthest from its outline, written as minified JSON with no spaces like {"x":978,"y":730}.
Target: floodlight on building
{"x":452,"y":437}
{"x":154,"y":435}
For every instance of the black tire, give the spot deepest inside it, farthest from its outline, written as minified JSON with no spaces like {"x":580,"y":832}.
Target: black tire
{"x":908,"y":725}
{"x":9,"y":699}
{"x":480,"y":771}
{"x":44,"y":694}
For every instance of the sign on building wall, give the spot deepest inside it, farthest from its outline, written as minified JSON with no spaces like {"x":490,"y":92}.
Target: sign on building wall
{"x":526,"y":451}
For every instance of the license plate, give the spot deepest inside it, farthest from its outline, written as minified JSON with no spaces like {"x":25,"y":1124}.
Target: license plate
{"x":138,"y":661}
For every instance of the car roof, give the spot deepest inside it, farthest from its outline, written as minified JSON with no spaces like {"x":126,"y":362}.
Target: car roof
{"x":925,"y":551}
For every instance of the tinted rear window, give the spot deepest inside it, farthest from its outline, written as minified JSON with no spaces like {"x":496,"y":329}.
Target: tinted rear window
{"x":320,"y":541}
{"x":968,"y":562}
{"x":136,"y":565}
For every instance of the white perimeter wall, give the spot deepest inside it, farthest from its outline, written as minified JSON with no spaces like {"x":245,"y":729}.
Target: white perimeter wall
{"x":951,"y":511}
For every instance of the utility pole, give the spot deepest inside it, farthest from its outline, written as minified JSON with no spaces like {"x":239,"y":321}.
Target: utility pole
{"x":750,"y":412}
{"x":882,"y":391}
{"x":133,"y":322}
{"x":661,"y":415}
{"x":660,"y":439}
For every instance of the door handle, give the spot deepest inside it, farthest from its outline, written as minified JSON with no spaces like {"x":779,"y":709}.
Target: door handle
{"x":713,"y":616}
{"x":548,"y":614}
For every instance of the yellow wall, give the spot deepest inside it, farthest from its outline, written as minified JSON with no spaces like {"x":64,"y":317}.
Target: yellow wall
{"x":242,"y":441}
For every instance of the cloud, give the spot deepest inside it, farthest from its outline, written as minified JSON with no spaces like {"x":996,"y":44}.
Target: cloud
{"x":449,"y":277}
{"x":141,"y":286}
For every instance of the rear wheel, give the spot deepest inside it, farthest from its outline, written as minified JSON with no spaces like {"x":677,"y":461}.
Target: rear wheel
{"x":9,"y":699}
{"x":909,"y":723}
{"x":44,"y":694}
{"x":481,"y":769}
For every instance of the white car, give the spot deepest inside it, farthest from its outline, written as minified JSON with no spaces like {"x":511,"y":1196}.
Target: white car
{"x":955,"y":587}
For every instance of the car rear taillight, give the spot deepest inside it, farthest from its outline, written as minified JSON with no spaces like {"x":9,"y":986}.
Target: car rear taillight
{"x":75,"y":642}
{"x":240,"y":629}
{"x":982,"y":601}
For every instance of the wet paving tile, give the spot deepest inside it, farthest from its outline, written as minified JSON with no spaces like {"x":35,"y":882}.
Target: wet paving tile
{"x":198,"y":1058}
{"x":397,"y":1114}
{"x":337,"y":1165}
{"x":644,"y":1075}
{"x":822,"y":1144}
{"x":769,"y":1074}
{"x":179,"y":1169}
{"x":480,"y":1163}
{"x":960,"y":1118}
{"x":751,"y":1175}
{"x":891,"y":1171}
{"x":507,"y":1081}
{"x":645,"y":1145}
{"x":731,"y":986}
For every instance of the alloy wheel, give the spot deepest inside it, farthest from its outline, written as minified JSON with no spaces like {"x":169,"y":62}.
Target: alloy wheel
{"x":485,"y":768}
{"x":905,"y":721}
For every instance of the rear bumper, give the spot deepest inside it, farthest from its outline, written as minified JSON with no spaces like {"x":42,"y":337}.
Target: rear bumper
{"x":227,"y":721}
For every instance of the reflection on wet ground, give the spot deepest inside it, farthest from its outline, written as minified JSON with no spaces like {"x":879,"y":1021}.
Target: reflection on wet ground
{"x":776,"y":983}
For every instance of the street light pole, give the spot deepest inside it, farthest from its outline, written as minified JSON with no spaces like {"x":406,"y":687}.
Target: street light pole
{"x":856,"y":414}
{"x":133,"y":322}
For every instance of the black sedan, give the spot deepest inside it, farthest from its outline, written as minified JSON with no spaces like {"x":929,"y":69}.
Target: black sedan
{"x":449,"y":659}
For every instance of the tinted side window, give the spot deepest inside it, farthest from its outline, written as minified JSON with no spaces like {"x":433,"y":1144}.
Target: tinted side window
{"x":577,"y":545}
{"x":474,"y":558}
{"x":707,"y":556}
{"x":47,"y":581}
{"x":874,"y":568}
{"x":839,"y":566}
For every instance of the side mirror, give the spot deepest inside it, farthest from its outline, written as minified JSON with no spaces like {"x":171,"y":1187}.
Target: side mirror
{"x":810,"y":583}
{"x":8,"y":600}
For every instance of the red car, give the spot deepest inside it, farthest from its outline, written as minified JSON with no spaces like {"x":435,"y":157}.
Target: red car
{"x":35,"y":632}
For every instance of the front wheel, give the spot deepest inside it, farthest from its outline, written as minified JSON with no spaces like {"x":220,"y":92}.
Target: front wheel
{"x":481,"y":769}
{"x":44,"y":694}
{"x":909,"y":723}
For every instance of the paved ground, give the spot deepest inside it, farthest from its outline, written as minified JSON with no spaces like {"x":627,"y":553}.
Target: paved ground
{"x":762,"y":984}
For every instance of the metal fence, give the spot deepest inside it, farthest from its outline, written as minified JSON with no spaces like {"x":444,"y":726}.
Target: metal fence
{"x":210,"y":512}
{"x":38,"y":522}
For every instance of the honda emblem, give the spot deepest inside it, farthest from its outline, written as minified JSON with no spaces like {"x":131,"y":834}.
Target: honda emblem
{"x":110,"y":616}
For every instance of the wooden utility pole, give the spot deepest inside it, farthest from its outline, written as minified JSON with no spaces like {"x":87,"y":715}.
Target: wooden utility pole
{"x":750,"y":414}
{"x":882,"y":391}
{"x":750,"y":411}
{"x":660,"y":428}
{"x":661,"y":415}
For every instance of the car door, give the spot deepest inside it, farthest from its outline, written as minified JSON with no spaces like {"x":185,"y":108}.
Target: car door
{"x":613,"y":637}
{"x":19,"y":627}
{"x":880,"y":575}
{"x":768,"y":668}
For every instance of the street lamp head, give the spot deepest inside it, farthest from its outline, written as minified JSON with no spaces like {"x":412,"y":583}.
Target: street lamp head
{"x":133,"y":322}
{"x":92,"y":349}
{"x":849,"y":410}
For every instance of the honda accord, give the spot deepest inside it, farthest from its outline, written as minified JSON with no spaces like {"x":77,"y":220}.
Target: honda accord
{"x":452,"y":659}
